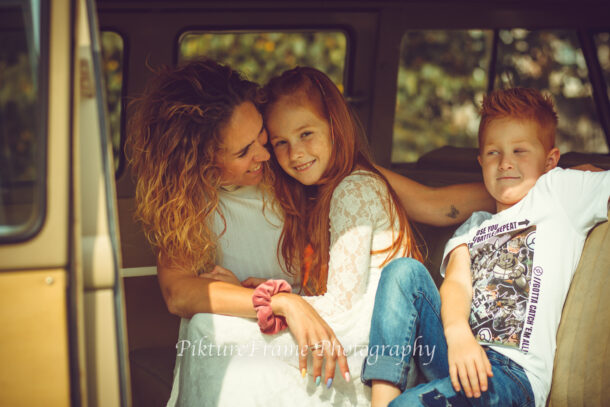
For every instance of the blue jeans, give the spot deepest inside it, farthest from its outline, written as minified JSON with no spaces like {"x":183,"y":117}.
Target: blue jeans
{"x":406,"y":323}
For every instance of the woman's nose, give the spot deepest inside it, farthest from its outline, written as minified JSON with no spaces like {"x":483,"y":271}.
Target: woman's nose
{"x":262,"y":154}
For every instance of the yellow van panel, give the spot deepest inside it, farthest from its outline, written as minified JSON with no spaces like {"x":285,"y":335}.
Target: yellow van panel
{"x":34,"y":339}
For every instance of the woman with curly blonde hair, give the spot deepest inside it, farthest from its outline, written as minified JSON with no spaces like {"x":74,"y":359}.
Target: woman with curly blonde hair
{"x":204,"y":195}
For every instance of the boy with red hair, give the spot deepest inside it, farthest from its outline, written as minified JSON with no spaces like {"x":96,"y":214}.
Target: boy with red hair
{"x":506,"y":275}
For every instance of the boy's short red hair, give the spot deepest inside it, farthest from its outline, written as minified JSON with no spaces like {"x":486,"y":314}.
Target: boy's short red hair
{"x":521,"y":104}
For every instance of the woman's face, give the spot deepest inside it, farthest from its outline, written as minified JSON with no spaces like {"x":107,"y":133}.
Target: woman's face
{"x":301,"y":140}
{"x":243,"y":149}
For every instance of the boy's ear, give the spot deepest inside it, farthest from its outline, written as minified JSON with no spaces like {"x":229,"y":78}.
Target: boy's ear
{"x":552,"y":158}
{"x":479,"y":160}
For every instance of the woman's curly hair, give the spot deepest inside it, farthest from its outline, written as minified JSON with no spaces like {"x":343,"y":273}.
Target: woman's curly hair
{"x":174,"y":135}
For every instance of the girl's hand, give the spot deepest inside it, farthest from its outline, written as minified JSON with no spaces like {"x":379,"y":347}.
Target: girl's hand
{"x":313,"y":334}
{"x":253,"y":282}
{"x":468,"y":362}
{"x":221,"y":274}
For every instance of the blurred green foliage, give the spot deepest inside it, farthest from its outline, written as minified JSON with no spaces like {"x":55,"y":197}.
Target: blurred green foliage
{"x":19,"y":108}
{"x":441,"y":80}
{"x":553,"y":62}
{"x":443,"y":77}
{"x":20,"y":126}
{"x":262,"y":55}
{"x":112,"y":67}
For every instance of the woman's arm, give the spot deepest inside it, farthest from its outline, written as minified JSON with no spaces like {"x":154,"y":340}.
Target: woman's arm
{"x":439,"y":206}
{"x":186,"y":294}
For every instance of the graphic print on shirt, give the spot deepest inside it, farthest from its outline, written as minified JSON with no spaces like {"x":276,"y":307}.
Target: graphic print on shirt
{"x":501,"y":266}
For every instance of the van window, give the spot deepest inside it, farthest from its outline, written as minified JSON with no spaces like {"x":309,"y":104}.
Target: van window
{"x":112,"y":66}
{"x":262,"y":55}
{"x":442,"y":77}
{"x":602,"y":42}
{"x":23,"y":50}
{"x":552,"y":61}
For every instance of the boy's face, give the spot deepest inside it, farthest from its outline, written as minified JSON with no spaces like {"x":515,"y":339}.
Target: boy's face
{"x":513,"y":158}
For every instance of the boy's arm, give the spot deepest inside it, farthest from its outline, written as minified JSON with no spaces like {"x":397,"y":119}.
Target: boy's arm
{"x":468,"y":363}
{"x":440,"y":206}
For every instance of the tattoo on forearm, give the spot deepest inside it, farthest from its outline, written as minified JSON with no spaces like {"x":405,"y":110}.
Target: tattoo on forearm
{"x":454,"y":212}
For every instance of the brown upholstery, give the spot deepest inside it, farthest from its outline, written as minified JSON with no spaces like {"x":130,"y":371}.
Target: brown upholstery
{"x":582,"y":360}
{"x":151,"y":375}
{"x":152,"y":334}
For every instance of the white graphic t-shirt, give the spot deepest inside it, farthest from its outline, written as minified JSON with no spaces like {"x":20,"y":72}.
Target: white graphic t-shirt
{"x":522,"y":263}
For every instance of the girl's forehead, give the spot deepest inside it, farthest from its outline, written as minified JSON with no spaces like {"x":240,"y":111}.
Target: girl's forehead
{"x":298,"y":99}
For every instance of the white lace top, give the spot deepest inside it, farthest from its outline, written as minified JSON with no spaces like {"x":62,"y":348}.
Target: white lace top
{"x":267,"y":371}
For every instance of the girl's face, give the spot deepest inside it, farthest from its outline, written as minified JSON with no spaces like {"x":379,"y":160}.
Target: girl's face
{"x":301,"y":141}
{"x":243,"y":150}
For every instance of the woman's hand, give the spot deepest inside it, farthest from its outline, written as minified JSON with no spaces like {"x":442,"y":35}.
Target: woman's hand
{"x":221,"y":274}
{"x":313,"y":334}
{"x":253,"y":282}
{"x":468,"y":362}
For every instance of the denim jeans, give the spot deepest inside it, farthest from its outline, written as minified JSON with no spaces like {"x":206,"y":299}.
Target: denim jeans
{"x":406,"y":324}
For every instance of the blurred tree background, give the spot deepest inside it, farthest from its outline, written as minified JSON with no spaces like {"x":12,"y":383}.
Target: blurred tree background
{"x":20,"y":122}
{"x":112,"y":66}
{"x":443,"y":75}
{"x":260,"y":56}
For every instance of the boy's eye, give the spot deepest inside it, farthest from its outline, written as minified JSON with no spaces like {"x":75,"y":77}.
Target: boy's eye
{"x":305,"y":134}
{"x":492,"y":152}
{"x":278,"y":143}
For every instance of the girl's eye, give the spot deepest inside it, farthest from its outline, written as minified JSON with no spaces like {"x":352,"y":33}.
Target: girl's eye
{"x":278,"y":143}
{"x":520,"y":150}
{"x":244,"y":153}
{"x":305,"y":134}
{"x":492,"y":152}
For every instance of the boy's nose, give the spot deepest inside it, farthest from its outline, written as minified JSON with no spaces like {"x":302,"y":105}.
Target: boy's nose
{"x":505,"y":164}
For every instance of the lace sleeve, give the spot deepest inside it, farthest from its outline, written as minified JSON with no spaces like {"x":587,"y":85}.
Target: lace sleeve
{"x":356,"y":209}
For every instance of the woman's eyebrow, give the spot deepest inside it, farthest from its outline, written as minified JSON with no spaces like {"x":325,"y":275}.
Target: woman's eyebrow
{"x":246,"y":148}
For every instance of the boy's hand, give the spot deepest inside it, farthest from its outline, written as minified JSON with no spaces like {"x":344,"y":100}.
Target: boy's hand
{"x":468,"y":362}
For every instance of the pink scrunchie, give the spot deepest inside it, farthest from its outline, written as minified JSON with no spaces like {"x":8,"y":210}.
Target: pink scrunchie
{"x":268,"y":322}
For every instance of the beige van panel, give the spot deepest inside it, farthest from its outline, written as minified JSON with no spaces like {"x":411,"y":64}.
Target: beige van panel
{"x":102,"y":362}
{"x":34,"y":339}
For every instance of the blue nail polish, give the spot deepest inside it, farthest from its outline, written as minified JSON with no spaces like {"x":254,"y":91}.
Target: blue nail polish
{"x":318,"y":381}
{"x":329,"y":382}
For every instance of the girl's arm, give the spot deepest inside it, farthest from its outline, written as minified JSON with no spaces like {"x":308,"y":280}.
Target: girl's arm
{"x":468,"y":363}
{"x":358,"y":206}
{"x":439,"y":206}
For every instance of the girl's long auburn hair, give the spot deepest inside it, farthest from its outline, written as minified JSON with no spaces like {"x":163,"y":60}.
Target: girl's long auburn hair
{"x":305,"y":239}
{"x":173,"y":139}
